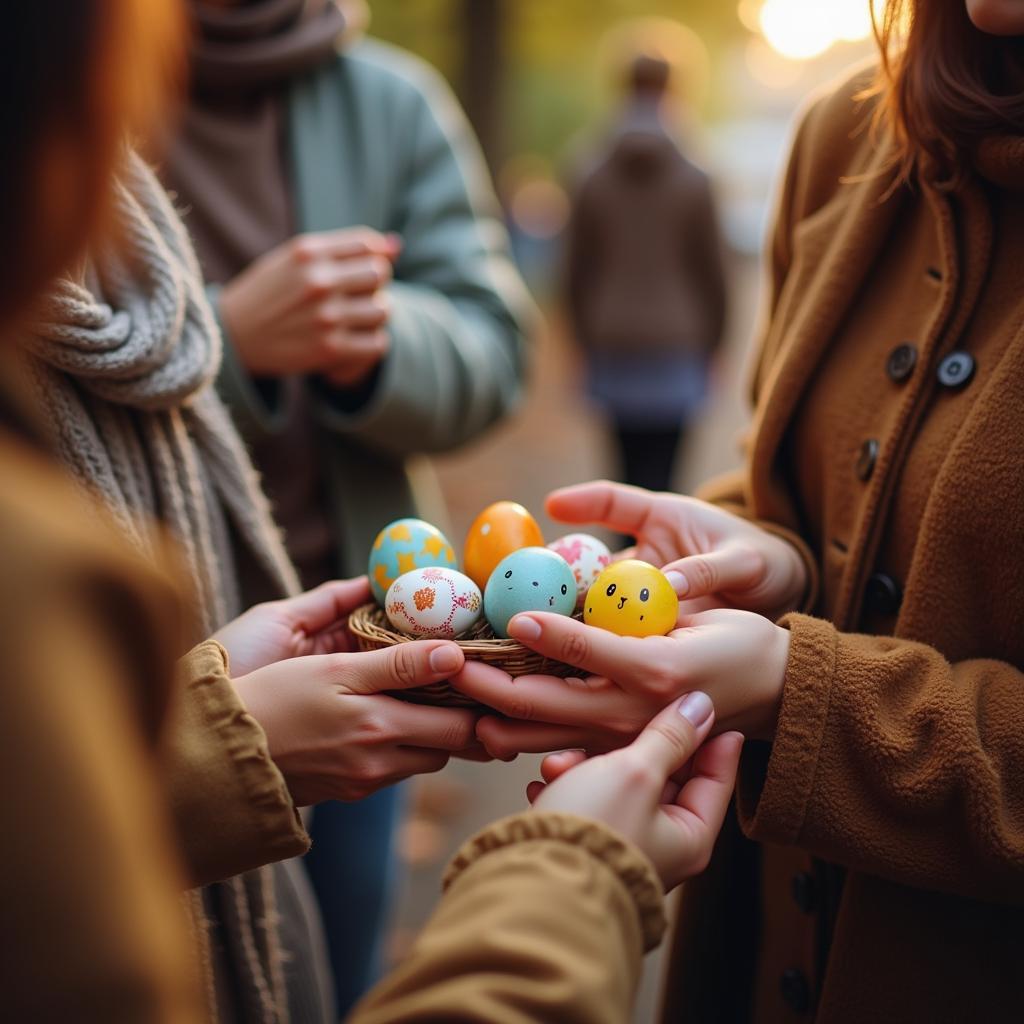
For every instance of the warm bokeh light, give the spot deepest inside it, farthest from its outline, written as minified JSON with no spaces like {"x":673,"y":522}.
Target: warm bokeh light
{"x":803,"y":29}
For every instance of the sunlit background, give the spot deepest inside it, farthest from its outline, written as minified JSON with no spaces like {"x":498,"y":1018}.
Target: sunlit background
{"x":536,"y":79}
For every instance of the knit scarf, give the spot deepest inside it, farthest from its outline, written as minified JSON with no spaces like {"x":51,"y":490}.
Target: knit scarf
{"x":124,"y":362}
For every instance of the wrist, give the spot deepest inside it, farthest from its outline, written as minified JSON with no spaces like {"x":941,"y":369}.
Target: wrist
{"x":776,"y":665}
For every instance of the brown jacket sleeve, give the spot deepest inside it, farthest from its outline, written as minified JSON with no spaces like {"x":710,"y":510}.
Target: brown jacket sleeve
{"x":229,"y":800}
{"x":92,"y":927}
{"x":891,"y":760}
{"x":545,"y":917}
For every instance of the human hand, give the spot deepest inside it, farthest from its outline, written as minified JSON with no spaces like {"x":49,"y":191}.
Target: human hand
{"x":737,"y":657}
{"x":315,"y":622}
{"x":314,"y":304}
{"x":665,"y":792}
{"x":713,"y":558}
{"x":335,"y":736}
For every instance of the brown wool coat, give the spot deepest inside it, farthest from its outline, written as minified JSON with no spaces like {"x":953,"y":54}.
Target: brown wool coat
{"x":96,"y":739}
{"x":888,"y":877}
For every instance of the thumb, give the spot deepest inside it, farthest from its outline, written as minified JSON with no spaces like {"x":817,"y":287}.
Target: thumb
{"x":401,"y":667}
{"x":672,"y":737}
{"x":735,"y":567}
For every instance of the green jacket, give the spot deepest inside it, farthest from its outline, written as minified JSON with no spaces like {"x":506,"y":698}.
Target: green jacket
{"x":377,"y":139}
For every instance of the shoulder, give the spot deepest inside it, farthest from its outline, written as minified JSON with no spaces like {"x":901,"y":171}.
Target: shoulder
{"x":54,"y":540}
{"x":834,"y":140}
{"x":387,"y":73}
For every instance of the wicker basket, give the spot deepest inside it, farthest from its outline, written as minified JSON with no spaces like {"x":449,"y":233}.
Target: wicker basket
{"x":372,"y":631}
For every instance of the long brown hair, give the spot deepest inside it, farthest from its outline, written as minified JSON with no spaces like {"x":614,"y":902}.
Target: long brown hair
{"x":944,"y":85}
{"x":75,"y":77}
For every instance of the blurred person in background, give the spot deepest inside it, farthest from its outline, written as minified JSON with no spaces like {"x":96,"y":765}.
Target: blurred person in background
{"x":356,"y":262}
{"x":645,"y":285}
{"x":853,"y":593}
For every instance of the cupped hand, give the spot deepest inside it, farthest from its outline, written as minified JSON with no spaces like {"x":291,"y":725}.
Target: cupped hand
{"x":314,"y":304}
{"x":664,"y":792}
{"x":335,"y":736}
{"x":737,"y":657}
{"x":712,"y":557}
{"x":315,"y":622}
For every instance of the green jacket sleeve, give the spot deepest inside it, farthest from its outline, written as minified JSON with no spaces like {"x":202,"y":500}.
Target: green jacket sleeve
{"x":460,"y":313}
{"x":545,"y":917}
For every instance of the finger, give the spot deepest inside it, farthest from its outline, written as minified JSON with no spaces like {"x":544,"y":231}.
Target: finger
{"x":594,"y":704}
{"x":644,"y":663}
{"x":534,"y":790}
{"x":421,"y":725}
{"x":558,"y":764}
{"x":362,"y":275}
{"x":503,"y":739}
{"x":733,"y":567}
{"x":348,"y":242}
{"x":407,"y":761}
{"x":400,"y":667}
{"x":618,"y":507}
{"x":324,"y":606}
{"x":707,"y":793}
{"x":673,"y":735}
{"x":365,"y":313}
{"x":476,"y":751}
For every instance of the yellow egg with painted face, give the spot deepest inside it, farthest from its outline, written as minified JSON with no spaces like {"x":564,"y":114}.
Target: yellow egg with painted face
{"x":632,"y":598}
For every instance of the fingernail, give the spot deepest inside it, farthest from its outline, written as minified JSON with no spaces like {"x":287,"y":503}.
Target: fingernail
{"x":696,"y":708}
{"x":522,"y":627}
{"x":679,"y":583}
{"x":445,"y":659}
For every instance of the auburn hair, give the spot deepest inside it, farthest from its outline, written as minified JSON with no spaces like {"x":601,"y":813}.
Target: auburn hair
{"x":76,"y":78}
{"x":944,"y":85}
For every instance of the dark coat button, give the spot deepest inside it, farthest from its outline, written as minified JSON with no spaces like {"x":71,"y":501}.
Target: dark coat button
{"x":803,"y":891}
{"x":866,"y":458}
{"x":795,"y":990}
{"x":882,"y":594}
{"x":956,"y":369}
{"x":901,"y":362}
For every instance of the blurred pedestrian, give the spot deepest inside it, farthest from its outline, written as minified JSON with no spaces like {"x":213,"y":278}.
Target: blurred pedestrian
{"x":645,"y":287}
{"x":359,"y":271}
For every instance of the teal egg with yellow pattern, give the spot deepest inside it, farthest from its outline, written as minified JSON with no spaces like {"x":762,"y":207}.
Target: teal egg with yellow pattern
{"x":401,"y":547}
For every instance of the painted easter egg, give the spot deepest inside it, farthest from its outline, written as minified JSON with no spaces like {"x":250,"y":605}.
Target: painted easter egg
{"x":434,"y":603}
{"x":587,"y":557}
{"x":529,"y":580}
{"x":499,"y":530}
{"x":402,"y":546}
{"x":632,"y":598}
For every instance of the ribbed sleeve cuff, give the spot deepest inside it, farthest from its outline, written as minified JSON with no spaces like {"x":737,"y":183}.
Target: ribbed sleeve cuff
{"x":624,"y":860}
{"x":776,"y":783}
{"x":231,"y":798}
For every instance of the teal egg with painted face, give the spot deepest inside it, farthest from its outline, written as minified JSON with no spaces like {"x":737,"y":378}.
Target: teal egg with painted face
{"x":403,"y":546}
{"x":528,"y":580}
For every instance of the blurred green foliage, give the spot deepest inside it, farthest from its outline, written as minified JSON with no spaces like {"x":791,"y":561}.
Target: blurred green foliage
{"x":552,"y":80}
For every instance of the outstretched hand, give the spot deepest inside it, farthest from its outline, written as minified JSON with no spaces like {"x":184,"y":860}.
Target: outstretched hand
{"x":315,"y":622}
{"x":713,"y":558}
{"x":336,"y":735}
{"x":664,"y":792}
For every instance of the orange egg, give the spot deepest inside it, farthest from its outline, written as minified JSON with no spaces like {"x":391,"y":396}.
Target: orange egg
{"x":499,"y":530}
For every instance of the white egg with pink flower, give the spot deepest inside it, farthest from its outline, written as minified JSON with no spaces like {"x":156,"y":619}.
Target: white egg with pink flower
{"x":587,"y":557}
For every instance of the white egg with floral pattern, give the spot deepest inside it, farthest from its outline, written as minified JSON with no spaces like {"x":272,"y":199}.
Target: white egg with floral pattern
{"x":433,"y":603}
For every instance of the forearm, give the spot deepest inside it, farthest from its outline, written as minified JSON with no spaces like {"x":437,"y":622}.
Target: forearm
{"x":891,"y":760}
{"x":545,"y":917}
